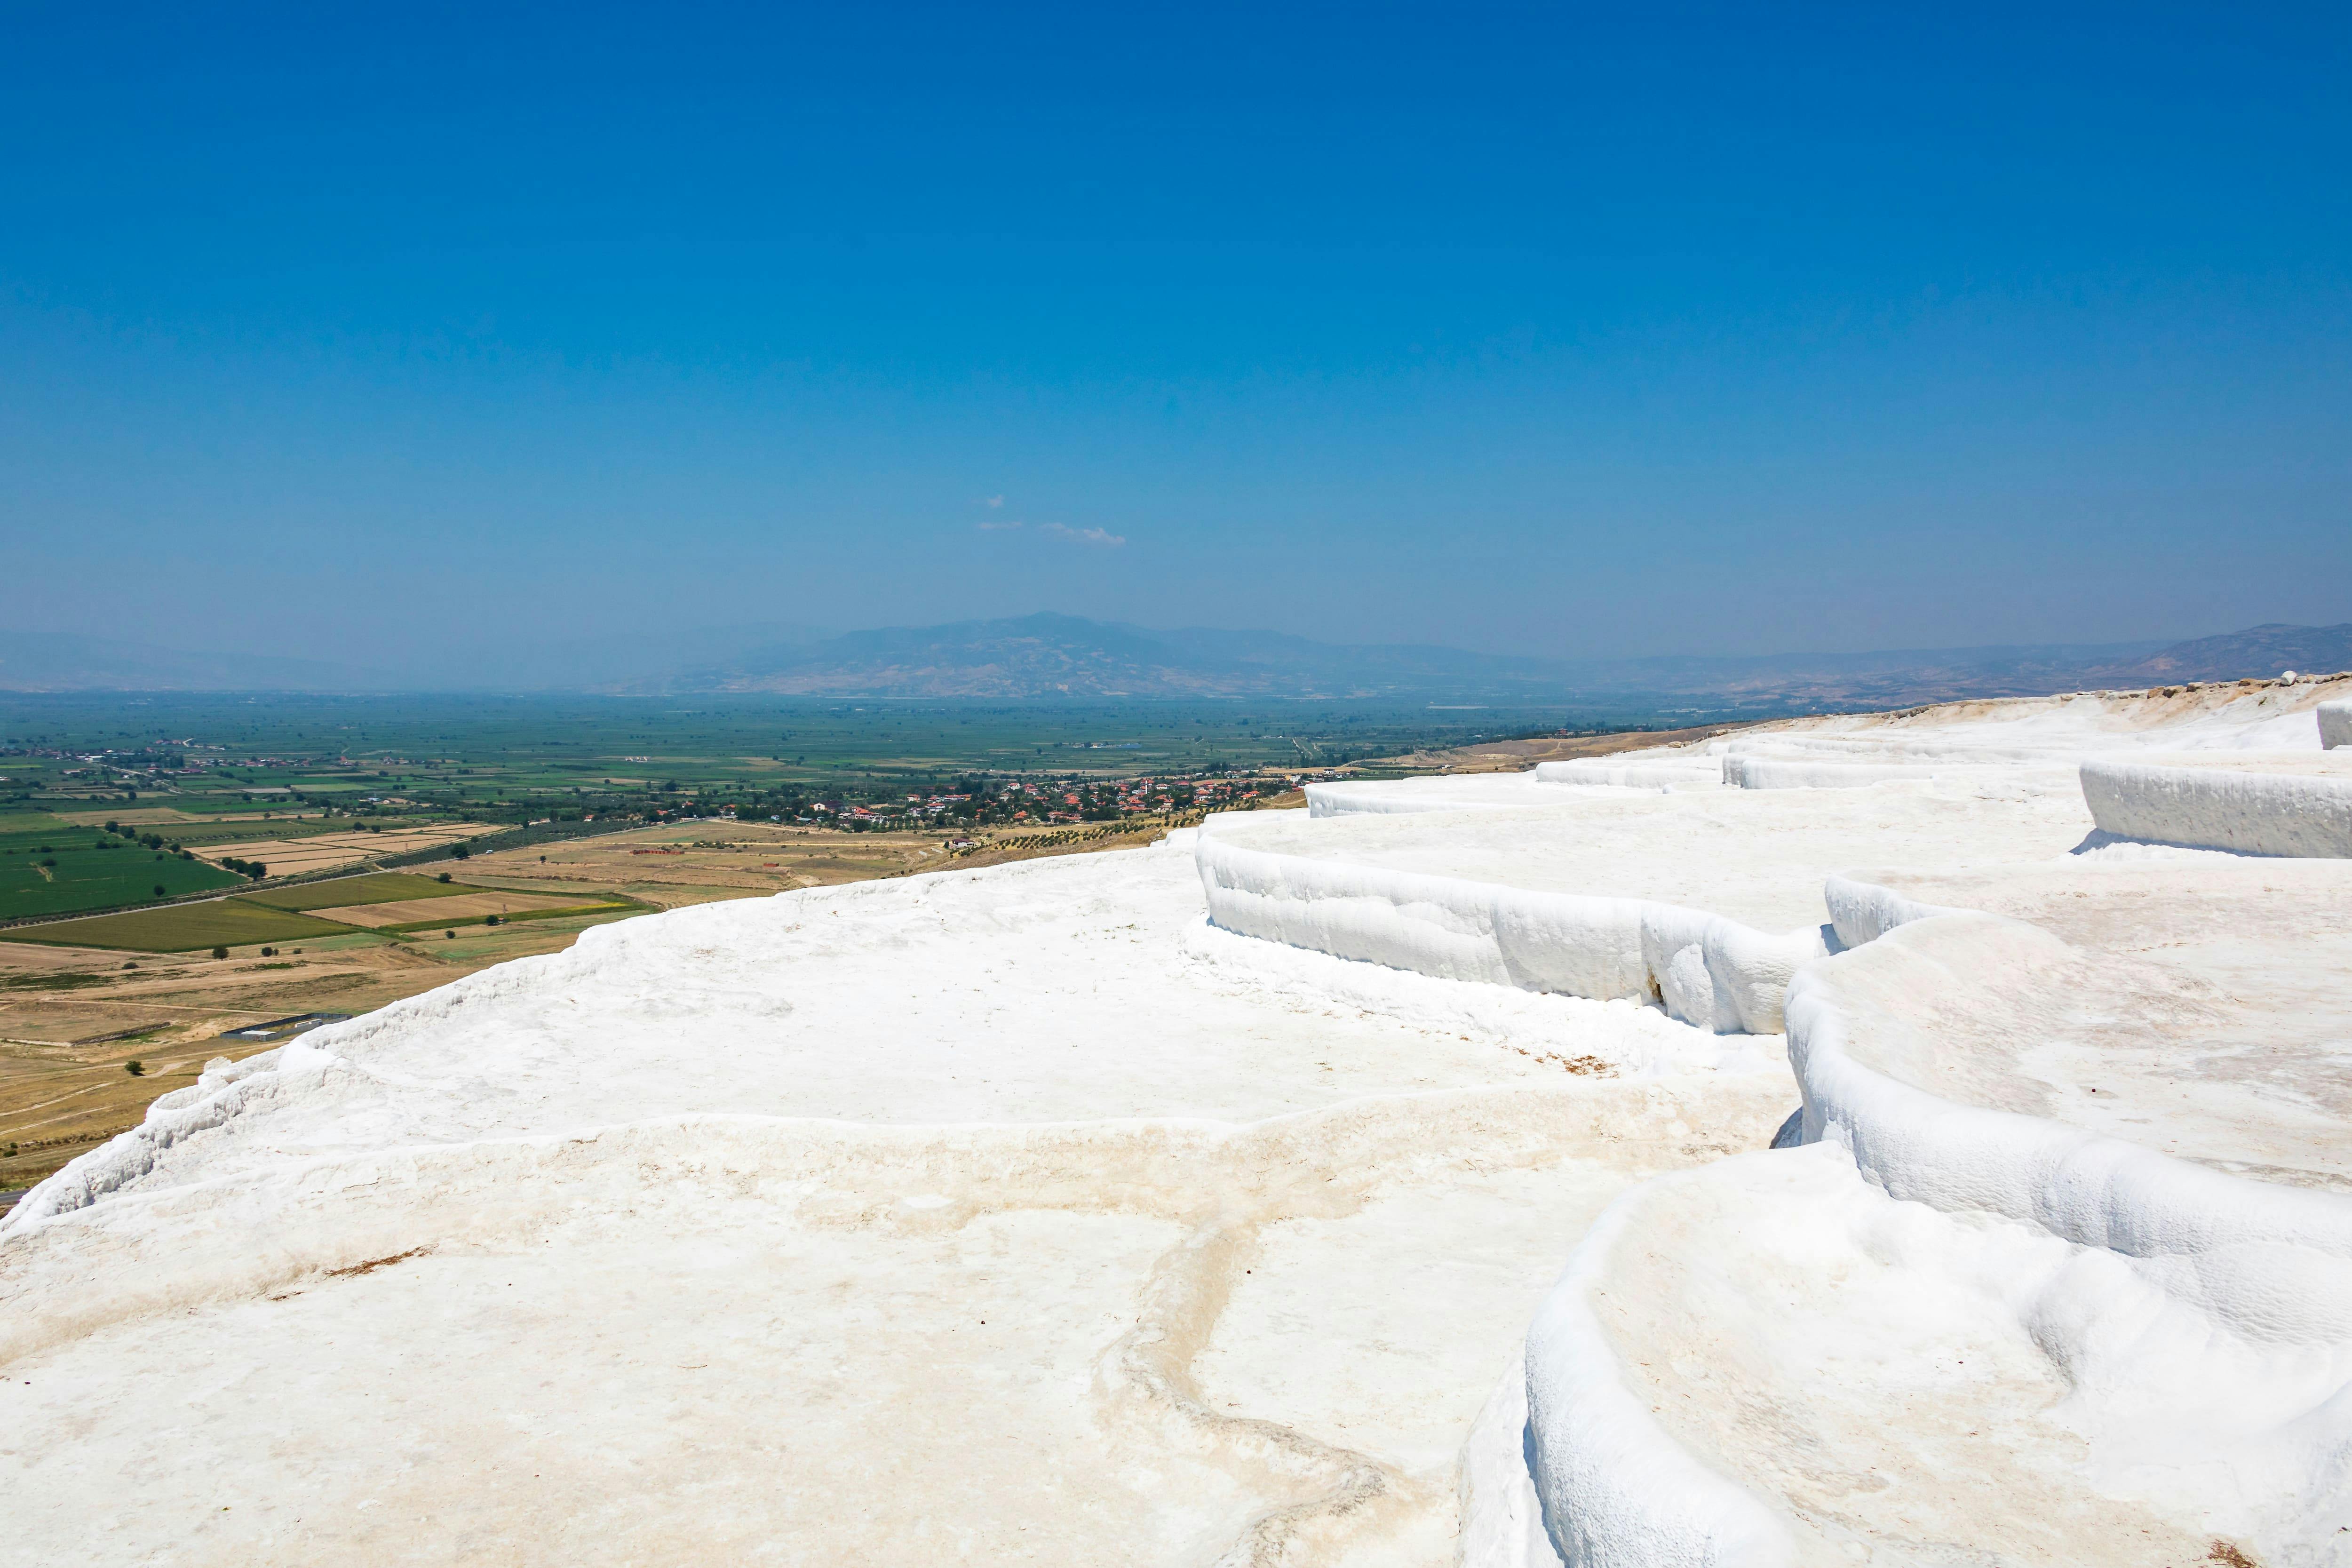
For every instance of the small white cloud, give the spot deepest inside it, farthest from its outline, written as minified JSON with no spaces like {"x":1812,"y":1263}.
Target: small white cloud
{"x":1083,"y":535}
{"x":992,"y":502}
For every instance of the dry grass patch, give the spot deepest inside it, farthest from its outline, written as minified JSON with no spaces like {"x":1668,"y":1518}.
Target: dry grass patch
{"x":470,"y":905}
{"x":373,"y":888}
{"x":713,"y":860}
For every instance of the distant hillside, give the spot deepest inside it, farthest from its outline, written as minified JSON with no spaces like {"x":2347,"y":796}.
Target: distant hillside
{"x":1063,"y":656}
{"x":1048,"y":656}
{"x":2260,"y":650}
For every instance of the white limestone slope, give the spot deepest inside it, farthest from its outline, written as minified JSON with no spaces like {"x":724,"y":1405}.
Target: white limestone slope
{"x":2221,"y":716}
{"x":988,"y":1215}
{"x":2215,"y":718}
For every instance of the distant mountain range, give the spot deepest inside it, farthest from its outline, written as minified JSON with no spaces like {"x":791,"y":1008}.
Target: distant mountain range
{"x":1902,"y":678}
{"x":1048,"y":656}
{"x":1061,"y":656}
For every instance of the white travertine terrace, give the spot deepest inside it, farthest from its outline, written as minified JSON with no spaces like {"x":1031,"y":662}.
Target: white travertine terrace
{"x":1403,"y":798}
{"x":2062,"y":1273}
{"x":1187,"y":1205}
{"x":2066,"y":1274}
{"x":2299,"y":804}
{"x":1710,"y":900}
{"x":1814,"y":772}
{"x":2226,"y":716}
{"x":1685,"y":772}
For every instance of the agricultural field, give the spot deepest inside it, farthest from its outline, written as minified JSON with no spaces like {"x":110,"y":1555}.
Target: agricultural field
{"x":48,"y":867}
{"x":325,"y":851}
{"x":472,"y":906}
{"x":178,"y":928}
{"x":199,"y":832}
{"x":372,"y":888}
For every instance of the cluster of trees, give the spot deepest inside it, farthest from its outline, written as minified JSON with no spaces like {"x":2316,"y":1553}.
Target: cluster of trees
{"x":253,"y":868}
{"x":154,"y":841}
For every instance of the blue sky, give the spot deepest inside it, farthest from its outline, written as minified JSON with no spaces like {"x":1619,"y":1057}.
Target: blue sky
{"x":419,"y":333}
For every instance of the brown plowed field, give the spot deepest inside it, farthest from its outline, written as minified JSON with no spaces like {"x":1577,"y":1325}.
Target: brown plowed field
{"x":292,"y":856}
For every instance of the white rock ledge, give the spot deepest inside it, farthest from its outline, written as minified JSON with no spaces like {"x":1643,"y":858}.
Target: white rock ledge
{"x":2250,"y":810}
{"x":1709,"y":971}
{"x":1802,"y":773}
{"x":1695,"y":773}
{"x":1403,"y":797}
{"x":2334,"y":725}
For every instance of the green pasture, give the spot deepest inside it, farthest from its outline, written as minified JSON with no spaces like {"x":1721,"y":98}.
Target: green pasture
{"x":373,"y":888}
{"x":180,"y":928}
{"x":41,"y":832}
{"x":59,"y":870}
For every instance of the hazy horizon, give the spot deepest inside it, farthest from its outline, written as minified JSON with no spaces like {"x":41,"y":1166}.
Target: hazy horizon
{"x":1058,"y":658}
{"x":572,"y":669}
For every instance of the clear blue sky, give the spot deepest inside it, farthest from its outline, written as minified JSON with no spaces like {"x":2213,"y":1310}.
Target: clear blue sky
{"x":1560,"y":329}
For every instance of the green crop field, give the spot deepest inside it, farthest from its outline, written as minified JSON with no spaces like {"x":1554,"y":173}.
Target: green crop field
{"x":181,"y":928}
{"x":374,"y":888}
{"x":57,"y":870}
